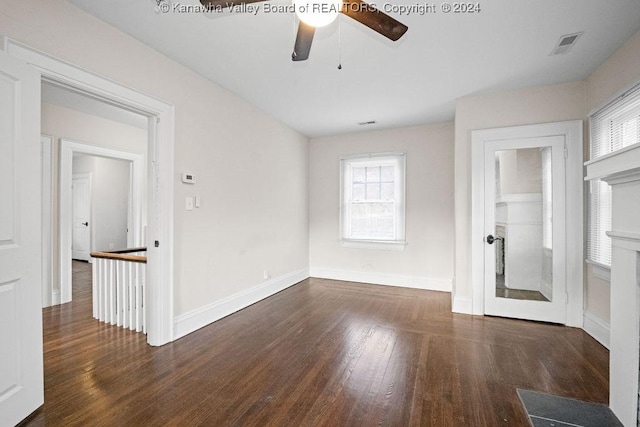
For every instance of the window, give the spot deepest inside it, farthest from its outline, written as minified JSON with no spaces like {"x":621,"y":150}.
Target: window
{"x":613,"y":128}
{"x":598,"y":243}
{"x":372,"y":207}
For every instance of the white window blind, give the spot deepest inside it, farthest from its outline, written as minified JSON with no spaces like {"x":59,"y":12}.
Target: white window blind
{"x":617,"y":125}
{"x":373,"y":199}
{"x":612,"y":128}
{"x":598,"y":243}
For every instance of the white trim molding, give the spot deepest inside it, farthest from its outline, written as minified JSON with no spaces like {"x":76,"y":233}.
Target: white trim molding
{"x":49,"y":283}
{"x":67,"y":149}
{"x":416,"y":282}
{"x":597,"y":328}
{"x":615,"y":166}
{"x":160,"y":165}
{"x":601,"y":271}
{"x":621,"y":170}
{"x":203,"y":316}
{"x":572,"y":133}
{"x":460,"y":304}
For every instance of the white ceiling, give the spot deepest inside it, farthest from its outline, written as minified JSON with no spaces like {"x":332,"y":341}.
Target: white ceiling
{"x":413,"y":81}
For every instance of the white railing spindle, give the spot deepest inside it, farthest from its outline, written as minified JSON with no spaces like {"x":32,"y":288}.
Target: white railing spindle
{"x":119,"y":288}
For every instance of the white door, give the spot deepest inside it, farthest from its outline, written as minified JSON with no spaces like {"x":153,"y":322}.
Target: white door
{"x":21,"y":374}
{"x":81,"y":241}
{"x":524,"y":214}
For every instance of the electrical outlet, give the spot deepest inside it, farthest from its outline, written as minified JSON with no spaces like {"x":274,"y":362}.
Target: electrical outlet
{"x":265,"y":274}
{"x":111,"y":245}
{"x":188,"y":204}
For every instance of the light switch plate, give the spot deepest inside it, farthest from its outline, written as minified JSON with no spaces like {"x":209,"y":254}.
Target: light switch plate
{"x":188,"y":204}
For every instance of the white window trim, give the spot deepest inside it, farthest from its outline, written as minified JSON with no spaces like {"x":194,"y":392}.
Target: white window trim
{"x":600,"y":270}
{"x":363,"y":160}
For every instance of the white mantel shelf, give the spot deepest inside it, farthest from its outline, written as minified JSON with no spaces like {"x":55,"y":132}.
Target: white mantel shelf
{"x":621,"y":170}
{"x":615,"y":165}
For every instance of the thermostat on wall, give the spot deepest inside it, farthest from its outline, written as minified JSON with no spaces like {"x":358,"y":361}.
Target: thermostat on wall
{"x":188,"y":178}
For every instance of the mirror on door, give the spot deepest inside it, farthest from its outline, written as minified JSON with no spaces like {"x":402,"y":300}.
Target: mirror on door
{"x":524,"y":224}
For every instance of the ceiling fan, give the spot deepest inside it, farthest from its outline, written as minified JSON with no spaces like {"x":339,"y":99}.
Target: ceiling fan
{"x":359,"y":10}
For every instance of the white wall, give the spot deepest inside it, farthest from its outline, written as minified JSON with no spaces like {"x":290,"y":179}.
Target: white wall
{"x":427,"y":260}
{"x":519,"y":107}
{"x":252,"y":170}
{"x":110,"y":182}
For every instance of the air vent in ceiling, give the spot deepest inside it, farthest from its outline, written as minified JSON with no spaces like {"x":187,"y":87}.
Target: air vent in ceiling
{"x":565,"y":43}
{"x":370,"y":122}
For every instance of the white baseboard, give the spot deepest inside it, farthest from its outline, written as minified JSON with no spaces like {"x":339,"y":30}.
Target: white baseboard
{"x":200,"y":317}
{"x":461,"y":304}
{"x":597,"y":328}
{"x":426,"y":283}
{"x":55,"y":297}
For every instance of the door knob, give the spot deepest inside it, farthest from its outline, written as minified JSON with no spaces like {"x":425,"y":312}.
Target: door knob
{"x":86,"y":224}
{"x":490,"y":239}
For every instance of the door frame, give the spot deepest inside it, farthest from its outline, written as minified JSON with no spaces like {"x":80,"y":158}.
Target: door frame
{"x":67,"y":149}
{"x":574,"y":188}
{"x":88,"y":176}
{"x":50,"y":293}
{"x":161,"y":129}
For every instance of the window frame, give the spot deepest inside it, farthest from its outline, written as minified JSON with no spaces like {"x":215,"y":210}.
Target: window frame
{"x":607,"y":136}
{"x":347,"y":163}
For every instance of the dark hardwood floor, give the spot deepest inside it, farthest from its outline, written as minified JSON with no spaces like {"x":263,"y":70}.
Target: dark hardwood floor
{"x":319,"y":353}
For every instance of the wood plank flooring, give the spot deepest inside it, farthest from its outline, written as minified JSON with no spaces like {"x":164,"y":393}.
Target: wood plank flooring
{"x":322,"y":352}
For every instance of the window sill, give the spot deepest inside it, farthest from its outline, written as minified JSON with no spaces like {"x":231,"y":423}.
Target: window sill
{"x":601,"y":271}
{"x":374,"y":244}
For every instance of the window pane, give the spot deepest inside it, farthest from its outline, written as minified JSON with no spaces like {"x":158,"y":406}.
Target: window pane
{"x":372,"y":207}
{"x":387,"y":174}
{"x":630,"y":132}
{"x":358,"y":174}
{"x":387,"y":190}
{"x":372,"y":221}
{"x":373,"y":191}
{"x":373,"y":174}
{"x":358,"y":192}
{"x":598,"y":243}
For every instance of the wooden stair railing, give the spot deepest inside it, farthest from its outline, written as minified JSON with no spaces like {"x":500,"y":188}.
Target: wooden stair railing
{"x":119,"y":288}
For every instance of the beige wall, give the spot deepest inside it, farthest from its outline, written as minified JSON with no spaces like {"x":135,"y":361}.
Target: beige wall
{"x":428,"y":256}
{"x":619,"y":72}
{"x":251,"y":169}
{"x":520,"y":107}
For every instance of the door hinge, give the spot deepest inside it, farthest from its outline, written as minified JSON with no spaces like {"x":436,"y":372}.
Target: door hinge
{"x":566,"y":151}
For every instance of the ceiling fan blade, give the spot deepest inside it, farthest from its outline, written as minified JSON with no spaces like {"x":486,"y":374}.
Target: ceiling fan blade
{"x":378,"y":21}
{"x":216,"y":4}
{"x":304,"y":38}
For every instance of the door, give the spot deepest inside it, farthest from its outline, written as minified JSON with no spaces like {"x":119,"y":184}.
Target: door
{"x":81,"y":240}
{"x":21,"y":374}
{"x":524,"y":215}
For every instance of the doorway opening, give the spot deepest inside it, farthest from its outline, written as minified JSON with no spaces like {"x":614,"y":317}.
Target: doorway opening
{"x":160,"y":118}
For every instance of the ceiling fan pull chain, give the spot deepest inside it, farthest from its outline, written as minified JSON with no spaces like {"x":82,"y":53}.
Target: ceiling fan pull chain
{"x":339,"y":42}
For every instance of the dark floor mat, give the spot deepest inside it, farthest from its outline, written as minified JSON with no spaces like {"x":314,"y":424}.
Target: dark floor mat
{"x":546,"y":410}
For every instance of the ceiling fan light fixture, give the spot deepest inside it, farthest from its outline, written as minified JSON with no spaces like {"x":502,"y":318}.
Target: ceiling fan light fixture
{"x":317,"y":13}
